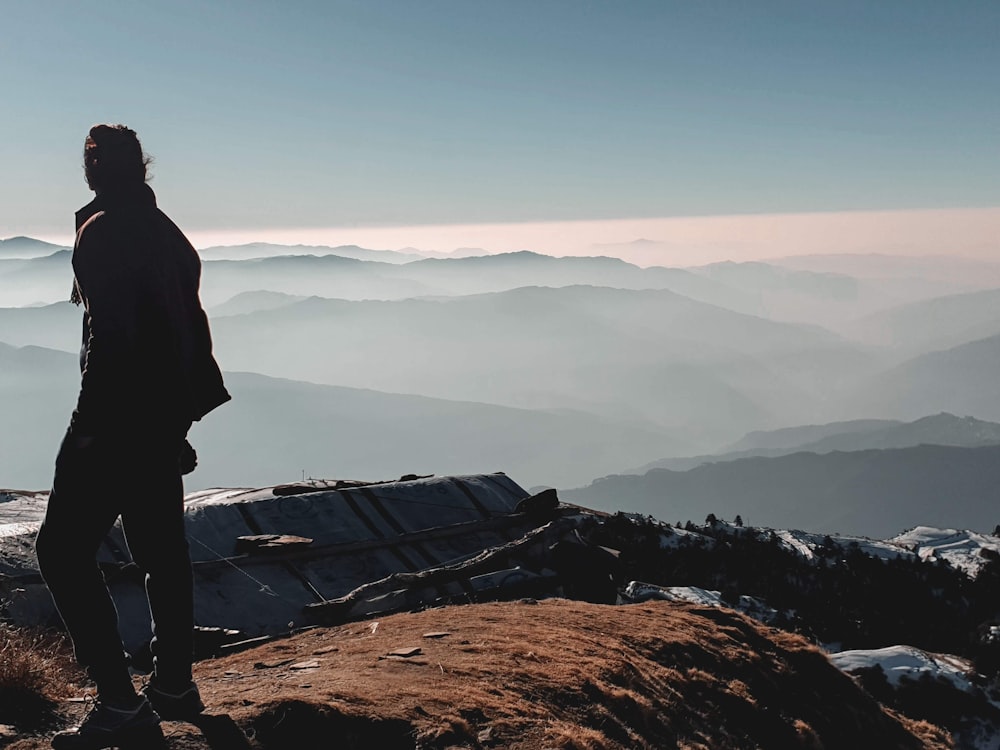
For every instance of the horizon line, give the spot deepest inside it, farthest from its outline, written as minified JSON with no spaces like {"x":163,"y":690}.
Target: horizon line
{"x":966,"y":231}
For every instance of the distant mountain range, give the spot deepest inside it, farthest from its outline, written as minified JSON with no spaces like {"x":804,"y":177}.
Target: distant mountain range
{"x":934,"y":271}
{"x":873,"y":493}
{"x":765,"y":290}
{"x":940,"y":429}
{"x":336,"y":276}
{"x":647,"y":356}
{"x":796,"y":437}
{"x":267,"y":250}
{"x":349,"y":272}
{"x":27,"y":247}
{"x":565,"y":368}
{"x":652,"y":357}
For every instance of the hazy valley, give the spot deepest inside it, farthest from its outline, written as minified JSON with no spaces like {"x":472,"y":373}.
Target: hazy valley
{"x":357,"y":363}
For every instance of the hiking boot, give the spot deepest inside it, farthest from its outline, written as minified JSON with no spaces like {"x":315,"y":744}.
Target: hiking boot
{"x":183,"y":705}
{"x":110,"y":726}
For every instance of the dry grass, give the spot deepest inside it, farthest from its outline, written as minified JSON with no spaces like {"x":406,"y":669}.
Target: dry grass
{"x":557,"y":675}
{"x":36,"y":672}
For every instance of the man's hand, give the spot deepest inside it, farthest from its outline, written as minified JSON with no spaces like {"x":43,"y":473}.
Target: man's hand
{"x":187,"y":461}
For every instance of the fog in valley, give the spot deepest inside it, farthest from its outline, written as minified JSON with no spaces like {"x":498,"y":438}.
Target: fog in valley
{"x":774,"y":389}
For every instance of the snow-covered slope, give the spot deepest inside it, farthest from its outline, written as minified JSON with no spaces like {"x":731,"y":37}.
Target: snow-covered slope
{"x":964,"y":550}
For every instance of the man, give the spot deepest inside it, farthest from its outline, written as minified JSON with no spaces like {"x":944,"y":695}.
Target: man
{"x":147,"y":373}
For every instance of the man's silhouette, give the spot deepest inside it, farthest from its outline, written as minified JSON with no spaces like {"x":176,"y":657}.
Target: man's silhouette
{"x":147,"y":373}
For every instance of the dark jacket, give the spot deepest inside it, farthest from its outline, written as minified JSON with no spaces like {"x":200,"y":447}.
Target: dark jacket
{"x":147,"y":357}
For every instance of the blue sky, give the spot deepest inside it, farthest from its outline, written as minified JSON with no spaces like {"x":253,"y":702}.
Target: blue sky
{"x":376,"y":113}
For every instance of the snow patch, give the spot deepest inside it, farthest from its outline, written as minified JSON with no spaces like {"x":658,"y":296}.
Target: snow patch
{"x":963,"y":550}
{"x":898,"y":662}
{"x":637,"y":591}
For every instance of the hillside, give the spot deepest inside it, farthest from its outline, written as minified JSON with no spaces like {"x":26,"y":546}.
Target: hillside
{"x":248,"y":302}
{"x":556,"y":673}
{"x":36,"y":280}
{"x":937,"y":323}
{"x":330,"y":431}
{"x":55,"y":326}
{"x":327,"y":275}
{"x":276,"y":429}
{"x":38,"y":389}
{"x":792,"y":437}
{"x":960,"y":380}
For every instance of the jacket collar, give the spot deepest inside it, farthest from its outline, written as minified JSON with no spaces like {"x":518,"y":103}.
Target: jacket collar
{"x":141,"y":196}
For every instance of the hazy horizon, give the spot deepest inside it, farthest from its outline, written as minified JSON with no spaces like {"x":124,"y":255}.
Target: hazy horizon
{"x":672,"y":241}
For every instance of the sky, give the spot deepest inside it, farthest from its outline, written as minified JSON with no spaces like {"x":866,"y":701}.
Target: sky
{"x":576,"y":124}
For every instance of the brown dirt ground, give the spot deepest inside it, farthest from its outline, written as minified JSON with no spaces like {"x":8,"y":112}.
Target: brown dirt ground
{"x":552,"y":674}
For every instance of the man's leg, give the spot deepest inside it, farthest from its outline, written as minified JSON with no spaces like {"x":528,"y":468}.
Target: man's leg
{"x":81,"y":510}
{"x":154,"y":527}
{"x":157,"y":538}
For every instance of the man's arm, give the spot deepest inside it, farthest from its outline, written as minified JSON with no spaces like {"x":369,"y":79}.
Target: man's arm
{"x":109,"y":283}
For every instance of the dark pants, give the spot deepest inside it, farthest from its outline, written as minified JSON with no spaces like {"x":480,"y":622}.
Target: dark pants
{"x":137,"y":479}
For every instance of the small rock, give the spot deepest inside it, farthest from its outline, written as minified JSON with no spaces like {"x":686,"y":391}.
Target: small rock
{"x":406,"y":652}
{"x":272,"y":664}
{"x":437,"y":634}
{"x":258,"y":543}
{"x":310,"y":664}
{"x":486,"y":735}
{"x":7,"y":732}
{"x":326,"y":650}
